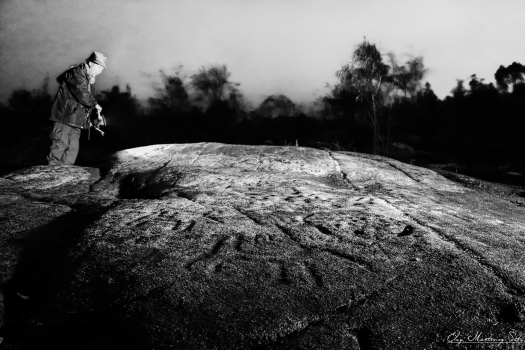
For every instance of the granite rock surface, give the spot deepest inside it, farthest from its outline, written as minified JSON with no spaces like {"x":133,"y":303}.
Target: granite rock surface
{"x":213,"y":246}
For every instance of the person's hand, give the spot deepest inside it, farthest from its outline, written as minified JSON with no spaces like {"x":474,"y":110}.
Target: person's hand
{"x":99,"y":108}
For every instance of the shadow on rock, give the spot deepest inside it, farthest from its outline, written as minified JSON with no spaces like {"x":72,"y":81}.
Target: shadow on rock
{"x":156,"y":183}
{"x":46,"y":264}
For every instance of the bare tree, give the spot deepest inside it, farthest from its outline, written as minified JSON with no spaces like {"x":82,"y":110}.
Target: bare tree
{"x":212,"y":85}
{"x":408,"y":77}
{"x":405,"y":79}
{"x":172,"y":94}
{"x":365,"y":75}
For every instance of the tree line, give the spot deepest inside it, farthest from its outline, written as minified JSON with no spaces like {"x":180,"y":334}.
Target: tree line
{"x":378,"y":106}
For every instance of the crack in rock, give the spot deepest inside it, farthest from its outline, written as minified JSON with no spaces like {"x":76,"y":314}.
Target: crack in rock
{"x":212,"y":252}
{"x":139,"y":221}
{"x":342,"y":173}
{"x":353,"y":259}
{"x":344,"y":309}
{"x":190,"y":226}
{"x":314,"y":273}
{"x":404,"y":172}
{"x":214,"y":218}
{"x":473,"y":254}
{"x":510,"y":286}
{"x":288,"y":232}
{"x":249,"y":216}
{"x":198,"y":154}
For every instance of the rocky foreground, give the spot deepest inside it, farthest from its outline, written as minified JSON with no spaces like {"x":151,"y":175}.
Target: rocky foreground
{"x":211,"y":246}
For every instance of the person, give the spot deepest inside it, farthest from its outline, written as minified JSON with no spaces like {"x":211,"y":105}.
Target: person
{"x":71,"y":108}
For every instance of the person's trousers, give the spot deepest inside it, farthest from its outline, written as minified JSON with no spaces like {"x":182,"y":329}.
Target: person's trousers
{"x":65,"y":142}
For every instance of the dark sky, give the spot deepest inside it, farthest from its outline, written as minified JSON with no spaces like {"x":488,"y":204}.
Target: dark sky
{"x":270,"y":46}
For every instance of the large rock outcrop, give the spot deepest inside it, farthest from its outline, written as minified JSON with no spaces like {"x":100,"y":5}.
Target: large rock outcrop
{"x":211,"y":246}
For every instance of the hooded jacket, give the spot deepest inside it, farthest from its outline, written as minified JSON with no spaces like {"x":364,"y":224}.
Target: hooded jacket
{"x":75,"y":97}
